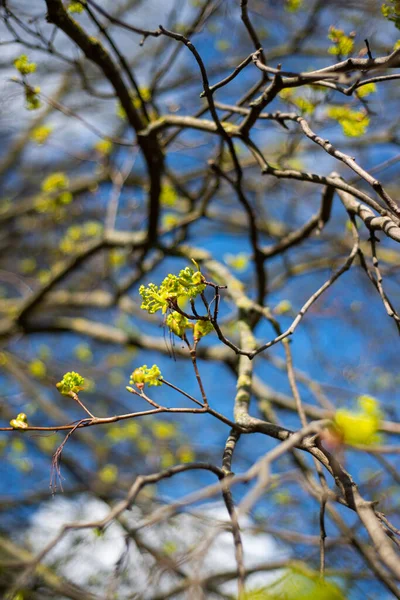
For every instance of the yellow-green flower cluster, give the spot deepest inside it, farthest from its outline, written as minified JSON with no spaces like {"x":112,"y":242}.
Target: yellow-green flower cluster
{"x":188,"y":284}
{"x":108,"y":474}
{"x":41,"y":133}
{"x":303,"y":104}
{"x":71,"y":383}
{"x":55,"y":186}
{"x":143,"y":375}
{"x":75,"y":7}
{"x":168,"y":196}
{"x":178,"y":324}
{"x":77,"y":234}
{"x":360,"y":427}
{"x":354,"y":123}
{"x":366,"y":90}
{"x":103,"y":147}
{"x":145,"y":94}
{"x":392,"y":12}
{"x":343,"y":44}
{"x":23,"y":65}
{"x":54,"y":182}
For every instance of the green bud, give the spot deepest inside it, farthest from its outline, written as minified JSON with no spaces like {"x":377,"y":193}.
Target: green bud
{"x":143,"y":375}
{"x":71,"y":383}
{"x":21,"y":422}
{"x":201,"y":329}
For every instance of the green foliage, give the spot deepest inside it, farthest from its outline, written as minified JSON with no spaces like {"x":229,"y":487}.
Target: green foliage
{"x":188,"y":284}
{"x":71,"y":383}
{"x":298,"y":583}
{"x":21,"y":422}
{"x":354,"y":123}
{"x":143,"y":375}
{"x":361,"y":426}
{"x":343,"y":44}
{"x":392,"y":12}
{"x":23,"y":65}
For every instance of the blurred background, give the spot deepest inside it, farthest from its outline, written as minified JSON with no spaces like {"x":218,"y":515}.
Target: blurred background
{"x":64,"y":183}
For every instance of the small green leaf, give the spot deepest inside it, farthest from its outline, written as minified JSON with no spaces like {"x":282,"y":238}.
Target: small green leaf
{"x":201,"y":329}
{"x":177,"y":323}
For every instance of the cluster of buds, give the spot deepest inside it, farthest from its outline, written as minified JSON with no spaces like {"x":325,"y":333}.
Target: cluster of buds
{"x":23,"y":65}
{"x":71,"y":383}
{"x":143,"y":375}
{"x":21,"y":422}
{"x":185,"y":286}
